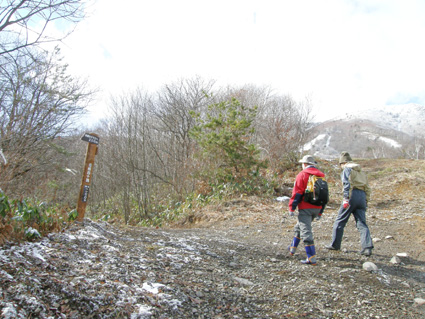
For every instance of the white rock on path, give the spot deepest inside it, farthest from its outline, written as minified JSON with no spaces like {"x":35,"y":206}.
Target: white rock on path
{"x":419,"y":301}
{"x":401,"y":254}
{"x":370,"y":266}
{"x":395,"y":260}
{"x":243,"y":281}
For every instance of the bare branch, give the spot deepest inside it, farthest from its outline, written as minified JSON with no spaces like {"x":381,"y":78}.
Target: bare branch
{"x":17,"y":17}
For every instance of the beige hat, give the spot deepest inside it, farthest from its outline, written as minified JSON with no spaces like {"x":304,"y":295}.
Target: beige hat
{"x":308,"y":159}
{"x":345,"y":157}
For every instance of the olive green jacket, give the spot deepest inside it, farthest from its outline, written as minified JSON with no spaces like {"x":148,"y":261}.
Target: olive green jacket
{"x":352,"y":177}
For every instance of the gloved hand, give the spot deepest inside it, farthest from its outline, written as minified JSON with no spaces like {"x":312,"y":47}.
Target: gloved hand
{"x":292,"y":213}
{"x":345,"y":203}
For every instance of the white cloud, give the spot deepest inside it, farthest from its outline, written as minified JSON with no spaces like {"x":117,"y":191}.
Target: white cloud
{"x":346,"y":54}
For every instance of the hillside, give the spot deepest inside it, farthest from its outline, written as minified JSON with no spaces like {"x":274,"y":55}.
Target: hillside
{"x":229,"y":260}
{"x":390,"y":132}
{"x":406,"y":118}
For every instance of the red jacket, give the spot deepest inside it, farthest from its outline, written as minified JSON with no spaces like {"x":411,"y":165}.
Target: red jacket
{"x":299,"y":189}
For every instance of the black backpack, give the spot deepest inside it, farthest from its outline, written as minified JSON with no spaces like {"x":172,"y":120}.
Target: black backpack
{"x":316,"y":192}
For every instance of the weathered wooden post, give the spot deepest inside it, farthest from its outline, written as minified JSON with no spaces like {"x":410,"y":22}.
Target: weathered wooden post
{"x":93,"y":140}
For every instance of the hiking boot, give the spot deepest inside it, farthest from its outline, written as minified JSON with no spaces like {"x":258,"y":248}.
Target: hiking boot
{"x":366,"y":252}
{"x":308,"y":262}
{"x":311,"y":255}
{"x":330,"y":247}
{"x":293,"y":247}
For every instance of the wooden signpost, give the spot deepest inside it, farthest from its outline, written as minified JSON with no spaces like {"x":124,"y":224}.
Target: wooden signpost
{"x":93,"y":140}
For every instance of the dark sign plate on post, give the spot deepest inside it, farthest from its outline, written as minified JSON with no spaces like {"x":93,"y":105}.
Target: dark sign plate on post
{"x":90,"y":138}
{"x":85,"y":195}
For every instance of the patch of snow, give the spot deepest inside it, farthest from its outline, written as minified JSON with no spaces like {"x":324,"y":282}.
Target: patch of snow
{"x":185,"y":245}
{"x":70,"y":236}
{"x":3,"y":257}
{"x":34,"y":249}
{"x":328,"y":142}
{"x":89,"y":233}
{"x":308,"y":146}
{"x":9,"y":312}
{"x":32,"y":233}
{"x":5,"y":274}
{"x":390,"y":141}
{"x":174,"y":303}
{"x":386,"y":140}
{"x":110,"y":248}
{"x":144,"y":312}
{"x":282,"y":198}
{"x":152,"y":287}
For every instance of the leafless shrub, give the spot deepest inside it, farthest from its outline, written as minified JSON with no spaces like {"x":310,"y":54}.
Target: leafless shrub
{"x":38,"y":104}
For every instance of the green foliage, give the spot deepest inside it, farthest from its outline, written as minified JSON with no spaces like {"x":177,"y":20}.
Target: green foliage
{"x":31,"y":233}
{"x":72,"y":215}
{"x":4,"y":205}
{"x":28,"y":219}
{"x":224,"y":140}
{"x":231,"y":165}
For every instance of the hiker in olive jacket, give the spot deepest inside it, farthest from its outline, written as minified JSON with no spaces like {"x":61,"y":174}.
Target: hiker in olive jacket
{"x":306,"y":211}
{"x":356,"y":194}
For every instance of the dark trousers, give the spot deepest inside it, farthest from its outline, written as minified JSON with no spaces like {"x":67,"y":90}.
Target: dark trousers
{"x":357,"y":207}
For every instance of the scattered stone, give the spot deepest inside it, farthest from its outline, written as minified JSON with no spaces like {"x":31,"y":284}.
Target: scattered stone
{"x":370,"y":266}
{"x":389,"y":237}
{"x":405,"y":284}
{"x":376,"y":240}
{"x":395,"y":260}
{"x":419,"y":301}
{"x":243,"y":281}
{"x":221,"y":271}
{"x":401,"y":254}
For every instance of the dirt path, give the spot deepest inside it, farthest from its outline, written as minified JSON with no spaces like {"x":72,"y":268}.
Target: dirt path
{"x":230,"y":269}
{"x":231,"y":263}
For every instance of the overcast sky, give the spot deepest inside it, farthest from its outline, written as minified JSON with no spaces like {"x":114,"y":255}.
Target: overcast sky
{"x":344,"y":54}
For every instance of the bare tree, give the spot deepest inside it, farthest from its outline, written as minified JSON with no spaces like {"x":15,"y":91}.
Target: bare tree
{"x":174,"y":120}
{"x":23,"y":23}
{"x":127,"y":164}
{"x":147,"y":160}
{"x":38,"y":104}
{"x":282,"y":124}
{"x":148,"y":156}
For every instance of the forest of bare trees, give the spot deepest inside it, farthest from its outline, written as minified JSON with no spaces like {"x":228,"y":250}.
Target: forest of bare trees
{"x":149,"y":162}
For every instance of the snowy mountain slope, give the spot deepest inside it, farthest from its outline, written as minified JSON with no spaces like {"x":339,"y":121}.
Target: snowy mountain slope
{"x":393,"y":131}
{"x":407,"y":118}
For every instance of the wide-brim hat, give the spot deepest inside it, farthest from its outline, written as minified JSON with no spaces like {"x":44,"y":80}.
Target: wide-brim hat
{"x":308,"y":159}
{"x":345,"y":157}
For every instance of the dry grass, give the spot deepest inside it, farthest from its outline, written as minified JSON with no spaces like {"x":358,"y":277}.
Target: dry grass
{"x":396,"y":185}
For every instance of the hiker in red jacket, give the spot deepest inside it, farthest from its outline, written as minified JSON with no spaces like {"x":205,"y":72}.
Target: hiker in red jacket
{"x":306,"y":211}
